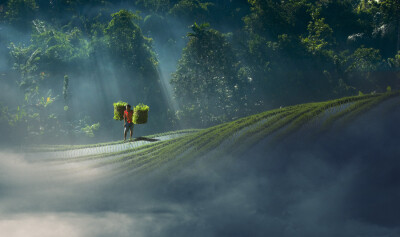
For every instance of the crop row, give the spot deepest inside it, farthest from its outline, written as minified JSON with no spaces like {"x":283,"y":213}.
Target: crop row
{"x":237,"y":136}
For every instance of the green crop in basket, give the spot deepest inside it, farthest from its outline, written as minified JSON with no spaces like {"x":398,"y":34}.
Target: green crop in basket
{"x":119,"y":109}
{"x":140,"y":114}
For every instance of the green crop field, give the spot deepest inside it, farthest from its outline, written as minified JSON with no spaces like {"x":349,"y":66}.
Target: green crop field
{"x":171,"y":151}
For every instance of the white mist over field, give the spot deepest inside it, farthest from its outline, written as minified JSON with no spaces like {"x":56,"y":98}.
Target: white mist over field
{"x":341,"y":185}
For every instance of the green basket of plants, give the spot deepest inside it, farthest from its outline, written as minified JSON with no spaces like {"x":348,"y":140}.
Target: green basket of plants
{"x":119,"y":109}
{"x":140,"y":114}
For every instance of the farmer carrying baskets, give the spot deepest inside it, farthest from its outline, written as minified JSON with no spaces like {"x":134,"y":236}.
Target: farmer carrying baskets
{"x":122,"y":111}
{"x":128,"y":124}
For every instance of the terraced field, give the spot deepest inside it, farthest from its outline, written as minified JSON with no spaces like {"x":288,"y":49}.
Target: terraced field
{"x":171,"y":151}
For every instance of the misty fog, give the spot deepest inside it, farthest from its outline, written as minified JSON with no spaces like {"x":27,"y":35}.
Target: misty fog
{"x":198,"y":64}
{"x":345,"y":184}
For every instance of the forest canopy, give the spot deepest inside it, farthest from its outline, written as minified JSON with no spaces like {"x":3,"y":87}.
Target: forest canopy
{"x":196,"y":63}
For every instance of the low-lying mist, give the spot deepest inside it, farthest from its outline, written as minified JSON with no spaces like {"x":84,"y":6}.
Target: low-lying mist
{"x":345,"y":183}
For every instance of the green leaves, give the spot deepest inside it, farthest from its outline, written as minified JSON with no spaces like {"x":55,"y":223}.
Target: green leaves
{"x":394,"y":63}
{"x":198,"y":29}
{"x":89,"y":130}
{"x":191,"y":10}
{"x":319,"y":35}
{"x":391,"y":10}
{"x":61,"y":47}
{"x":365,"y":60}
{"x":141,"y":107}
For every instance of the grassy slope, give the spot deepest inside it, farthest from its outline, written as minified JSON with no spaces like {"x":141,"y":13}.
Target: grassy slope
{"x":233,"y":137}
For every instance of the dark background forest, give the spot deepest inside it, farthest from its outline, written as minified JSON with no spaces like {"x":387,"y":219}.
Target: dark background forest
{"x":63,"y":63}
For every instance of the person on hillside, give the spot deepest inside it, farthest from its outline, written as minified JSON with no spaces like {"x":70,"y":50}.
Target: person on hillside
{"x":128,"y":124}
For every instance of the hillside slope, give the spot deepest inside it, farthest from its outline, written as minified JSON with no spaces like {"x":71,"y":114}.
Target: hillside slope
{"x":319,"y":169}
{"x":171,"y":151}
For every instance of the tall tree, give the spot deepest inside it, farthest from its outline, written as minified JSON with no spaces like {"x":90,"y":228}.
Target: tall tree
{"x":133,"y":51}
{"x":206,"y":81}
{"x":126,"y":41}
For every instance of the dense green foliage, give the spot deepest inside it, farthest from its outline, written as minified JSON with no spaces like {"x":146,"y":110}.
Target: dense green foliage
{"x":70,"y":59}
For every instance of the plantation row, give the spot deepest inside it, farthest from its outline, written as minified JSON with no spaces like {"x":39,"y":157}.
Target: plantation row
{"x":49,"y":148}
{"x":228,"y":139}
